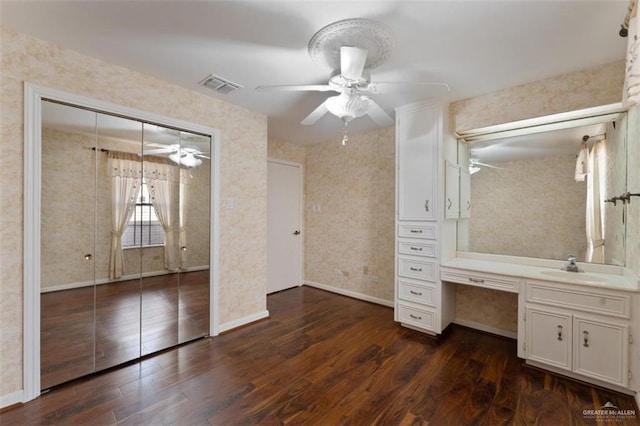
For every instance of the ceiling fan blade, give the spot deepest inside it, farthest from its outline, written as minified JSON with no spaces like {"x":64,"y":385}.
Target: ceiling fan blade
{"x":378,"y":115}
{"x":352,"y":62}
{"x":297,"y":88}
{"x":157,"y":151}
{"x":391,"y":87}
{"x":316,"y":114}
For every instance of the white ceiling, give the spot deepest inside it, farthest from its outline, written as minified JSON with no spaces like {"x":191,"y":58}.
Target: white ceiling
{"x":475,"y":46}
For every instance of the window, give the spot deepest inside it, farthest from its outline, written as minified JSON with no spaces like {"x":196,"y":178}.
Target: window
{"x":144,"y":228}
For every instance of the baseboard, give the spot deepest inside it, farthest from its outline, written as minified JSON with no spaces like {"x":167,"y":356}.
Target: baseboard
{"x":122,"y":278}
{"x":12,"y":398}
{"x":349,"y":293}
{"x":243,"y":321}
{"x":486,"y":328}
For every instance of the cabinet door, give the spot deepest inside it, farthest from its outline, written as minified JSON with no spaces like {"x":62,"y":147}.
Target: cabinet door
{"x":452,"y":192}
{"x":549,"y":337}
{"x":465,"y":193}
{"x":600,"y":350}
{"x":418,"y":132}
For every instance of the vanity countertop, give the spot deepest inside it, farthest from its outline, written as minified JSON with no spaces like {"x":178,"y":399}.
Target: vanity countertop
{"x":598,"y":276}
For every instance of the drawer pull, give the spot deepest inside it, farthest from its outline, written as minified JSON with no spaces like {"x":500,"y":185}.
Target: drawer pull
{"x":476,"y":280}
{"x":417,"y":293}
{"x":416,"y":248}
{"x":468,"y":205}
{"x":585,"y":334}
{"x":450,"y":203}
{"x":416,"y":231}
{"x":416,"y":269}
{"x":560,"y":332}
{"x":415,"y":317}
{"x":426,"y":205}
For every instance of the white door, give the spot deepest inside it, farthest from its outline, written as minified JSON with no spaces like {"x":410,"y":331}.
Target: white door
{"x":284,"y":233}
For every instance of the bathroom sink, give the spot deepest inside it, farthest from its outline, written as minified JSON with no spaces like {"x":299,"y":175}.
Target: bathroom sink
{"x":581,"y":276}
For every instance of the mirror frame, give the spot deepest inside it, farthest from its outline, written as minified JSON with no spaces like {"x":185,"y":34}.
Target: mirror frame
{"x":33,"y":96}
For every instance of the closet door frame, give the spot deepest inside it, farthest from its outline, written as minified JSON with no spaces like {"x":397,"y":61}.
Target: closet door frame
{"x":33,"y":96}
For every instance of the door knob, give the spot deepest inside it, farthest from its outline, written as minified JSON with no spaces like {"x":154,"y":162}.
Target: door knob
{"x":296,"y":232}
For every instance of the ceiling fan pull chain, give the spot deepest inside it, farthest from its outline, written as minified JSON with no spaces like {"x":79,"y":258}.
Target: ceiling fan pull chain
{"x":345,"y":137}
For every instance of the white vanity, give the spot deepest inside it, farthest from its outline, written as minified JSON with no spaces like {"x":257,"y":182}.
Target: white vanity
{"x":579,"y":324}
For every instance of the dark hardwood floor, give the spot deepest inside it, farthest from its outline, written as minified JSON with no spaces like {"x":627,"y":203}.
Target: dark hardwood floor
{"x":93,"y":328}
{"x":325,"y":359}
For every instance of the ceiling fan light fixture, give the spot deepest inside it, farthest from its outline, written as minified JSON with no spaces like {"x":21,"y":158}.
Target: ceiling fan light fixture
{"x":186,"y":159}
{"x":347,"y":107}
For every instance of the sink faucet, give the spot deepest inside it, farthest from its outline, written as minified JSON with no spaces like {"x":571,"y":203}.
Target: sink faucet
{"x":571,"y":264}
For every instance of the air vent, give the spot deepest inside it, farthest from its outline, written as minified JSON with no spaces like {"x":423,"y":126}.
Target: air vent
{"x":220,"y":85}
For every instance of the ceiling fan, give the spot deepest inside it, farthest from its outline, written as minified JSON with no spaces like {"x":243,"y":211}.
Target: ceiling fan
{"x":181,"y":155}
{"x":351,"y":47}
{"x":475,"y":165}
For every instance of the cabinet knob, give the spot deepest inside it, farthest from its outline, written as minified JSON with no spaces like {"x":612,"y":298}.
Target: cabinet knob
{"x":560,"y":332}
{"x":585,"y":335}
{"x":426,"y":205}
{"x":450,"y":203}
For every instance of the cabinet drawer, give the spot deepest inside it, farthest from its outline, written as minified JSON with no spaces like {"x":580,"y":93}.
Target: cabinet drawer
{"x":607,"y":303}
{"x":427,"y":231}
{"x":417,"y":248}
{"x":480,"y":279}
{"x":424,"y":293}
{"x":419,"y":269}
{"x":422,"y":318}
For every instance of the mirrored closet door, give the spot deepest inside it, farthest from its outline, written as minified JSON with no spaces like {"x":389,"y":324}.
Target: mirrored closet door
{"x":125,"y":209}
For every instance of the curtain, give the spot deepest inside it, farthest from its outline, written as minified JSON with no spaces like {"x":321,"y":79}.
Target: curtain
{"x":631,"y":91}
{"x":595,"y":203}
{"x":185,"y":177}
{"x":163,"y":183}
{"x":125,"y":171}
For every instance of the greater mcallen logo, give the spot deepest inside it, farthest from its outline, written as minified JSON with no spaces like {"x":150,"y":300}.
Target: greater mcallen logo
{"x":609,"y":412}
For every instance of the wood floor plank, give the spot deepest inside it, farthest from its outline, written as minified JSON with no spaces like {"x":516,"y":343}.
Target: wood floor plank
{"x":325,"y":359}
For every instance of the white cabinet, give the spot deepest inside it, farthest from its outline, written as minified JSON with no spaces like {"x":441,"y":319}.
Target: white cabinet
{"x":600,"y":350}
{"x":421,"y":302}
{"x":564,"y":331}
{"x":549,"y":337}
{"x":452,"y":191}
{"x":418,"y":130}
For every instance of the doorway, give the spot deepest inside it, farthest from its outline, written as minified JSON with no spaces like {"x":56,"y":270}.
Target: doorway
{"x":284,"y":225}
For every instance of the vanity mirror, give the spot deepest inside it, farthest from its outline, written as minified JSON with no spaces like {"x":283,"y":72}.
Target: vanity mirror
{"x":539,"y":187}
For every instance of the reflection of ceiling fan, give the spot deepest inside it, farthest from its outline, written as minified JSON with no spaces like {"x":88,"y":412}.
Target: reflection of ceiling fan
{"x":351,"y":47}
{"x":475,"y":165}
{"x":182,"y":155}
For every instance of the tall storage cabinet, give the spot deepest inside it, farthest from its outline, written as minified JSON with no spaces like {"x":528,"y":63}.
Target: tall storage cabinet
{"x":421,"y":301}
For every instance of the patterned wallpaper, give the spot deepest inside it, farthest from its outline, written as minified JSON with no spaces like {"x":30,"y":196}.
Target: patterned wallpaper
{"x":567,"y":92}
{"x":243,"y":171}
{"x":352,"y":188}
{"x":283,"y":150}
{"x":531,"y":208}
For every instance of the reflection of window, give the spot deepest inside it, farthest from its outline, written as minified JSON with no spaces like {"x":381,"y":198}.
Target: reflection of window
{"x":144,"y":228}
